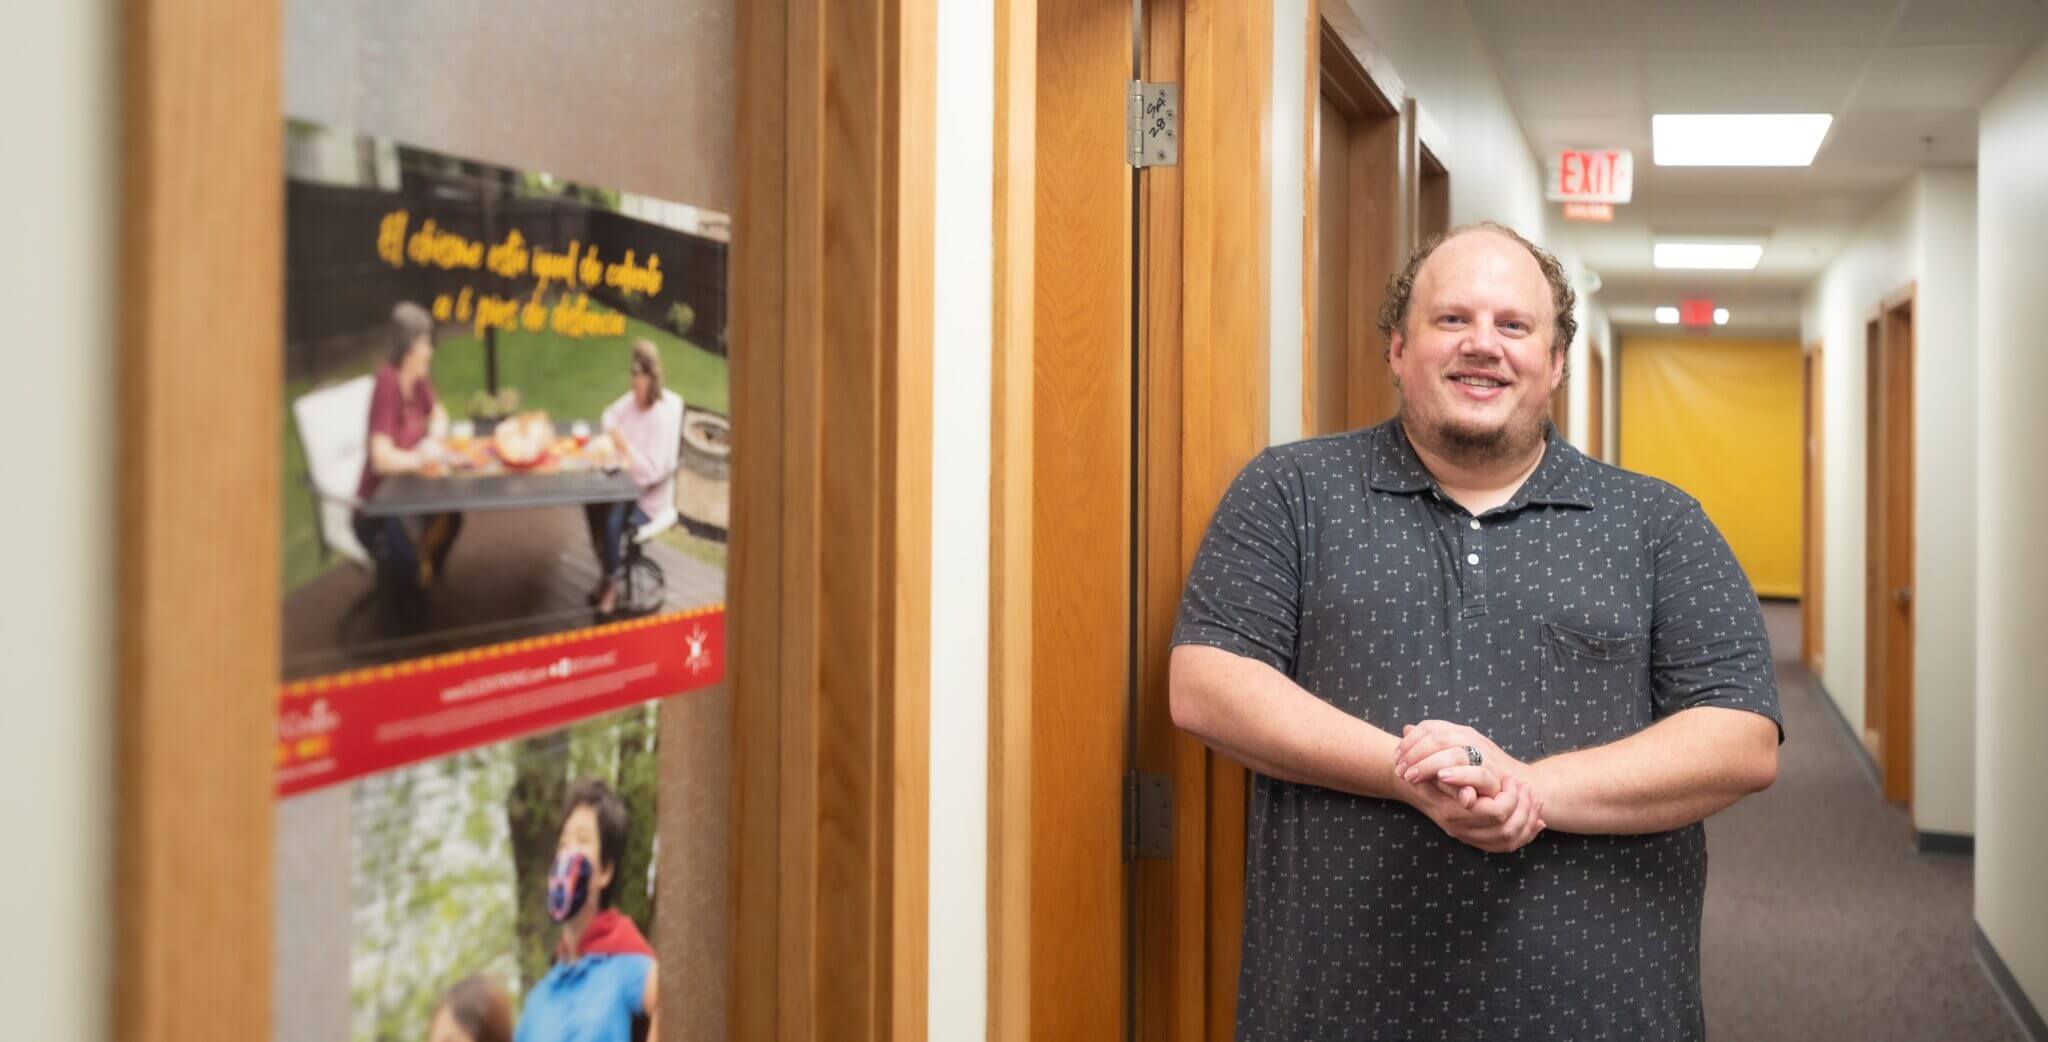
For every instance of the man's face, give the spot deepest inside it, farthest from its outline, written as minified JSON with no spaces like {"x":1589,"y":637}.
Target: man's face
{"x":1474,"y":360}
{"x":579,"y":833}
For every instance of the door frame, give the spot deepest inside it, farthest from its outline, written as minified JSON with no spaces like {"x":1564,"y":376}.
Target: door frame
{"x":1379,"y":140}
{"x":829,"y":779}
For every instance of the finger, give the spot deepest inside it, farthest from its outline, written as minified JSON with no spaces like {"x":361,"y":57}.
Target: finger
{"x":1411,"y":734}
{"x":1485,"y":779}
{"x":1507,"y":836}
{"x":1427,"y":766}
{"x":1430,"y":743}
{"x":1464,"y":794}
{"x":1498,"y":808}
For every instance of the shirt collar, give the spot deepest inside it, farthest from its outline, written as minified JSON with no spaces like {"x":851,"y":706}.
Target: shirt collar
{"x":1559,"y":480}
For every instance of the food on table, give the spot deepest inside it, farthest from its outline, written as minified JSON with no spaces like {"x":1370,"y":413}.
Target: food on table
{"x":523,"y":440}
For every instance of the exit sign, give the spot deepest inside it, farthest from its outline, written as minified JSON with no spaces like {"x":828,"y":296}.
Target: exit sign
{"x":1600,"y":175}
{"x":1697,"y":313}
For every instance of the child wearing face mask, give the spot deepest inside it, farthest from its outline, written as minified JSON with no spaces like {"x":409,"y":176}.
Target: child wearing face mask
{"x":602,"y":987}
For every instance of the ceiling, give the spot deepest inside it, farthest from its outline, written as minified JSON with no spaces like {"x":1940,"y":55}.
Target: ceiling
{"x":1903,"y":78}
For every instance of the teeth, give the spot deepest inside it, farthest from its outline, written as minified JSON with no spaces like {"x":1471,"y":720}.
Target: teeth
{"x":1477,"y":381}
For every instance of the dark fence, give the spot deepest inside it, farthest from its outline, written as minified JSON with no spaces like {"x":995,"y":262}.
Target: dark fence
{"x":339,"y":293}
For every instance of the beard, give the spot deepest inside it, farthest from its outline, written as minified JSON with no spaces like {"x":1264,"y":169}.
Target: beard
{"x":1473,"y":446}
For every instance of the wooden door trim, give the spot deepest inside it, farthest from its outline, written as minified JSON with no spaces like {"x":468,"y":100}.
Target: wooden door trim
{"x":831,"y":622}
{"x":196,"y":607}
{"x":1377,"y":196}
{"x":1873,"y":532}
{"x":1011,"y":530}
{"x":197,"y":624}
{"x":1204,"y":416}
{"x":1311,"y":158}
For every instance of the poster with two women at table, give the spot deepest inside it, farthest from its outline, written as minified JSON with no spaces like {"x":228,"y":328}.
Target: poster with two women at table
{"x":505,"y":522}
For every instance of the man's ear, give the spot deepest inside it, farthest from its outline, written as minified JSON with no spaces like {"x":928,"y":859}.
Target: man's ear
{"x":1396,"y":343}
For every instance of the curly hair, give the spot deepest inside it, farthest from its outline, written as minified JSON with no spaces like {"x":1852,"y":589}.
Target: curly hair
{"x":1394,"y":311}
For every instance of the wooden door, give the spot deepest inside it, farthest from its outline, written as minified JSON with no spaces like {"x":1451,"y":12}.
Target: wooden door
{"x":1081,"y":517}
{"x":1329,"y":352}
{"x":1888,"y":547}
{"x":1359,"y":192}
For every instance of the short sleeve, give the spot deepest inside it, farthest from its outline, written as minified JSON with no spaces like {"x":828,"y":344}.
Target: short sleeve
{"x":1708,"y":645}
{"x":1244,"y":593}
{"x":385,"y":407}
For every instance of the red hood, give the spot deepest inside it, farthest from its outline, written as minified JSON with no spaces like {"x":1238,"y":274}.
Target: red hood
{"x":610,"y":933}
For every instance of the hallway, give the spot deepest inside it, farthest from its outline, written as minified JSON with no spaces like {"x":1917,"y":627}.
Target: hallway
{"x":1822,"y":922}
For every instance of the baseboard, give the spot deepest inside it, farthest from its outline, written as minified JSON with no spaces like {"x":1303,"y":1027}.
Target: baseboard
{"x":1946,"y":844}
{"x":2009,"y":989}
{"x":1855,"y":740}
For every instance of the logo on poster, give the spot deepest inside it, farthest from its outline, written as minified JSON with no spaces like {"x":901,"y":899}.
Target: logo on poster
{"x":317,"y":719}
{"x":699,"y":660}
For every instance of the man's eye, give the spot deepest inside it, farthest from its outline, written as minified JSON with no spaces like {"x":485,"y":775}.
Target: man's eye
{"x":1451,"y":319}
{"x":1515,"y":326}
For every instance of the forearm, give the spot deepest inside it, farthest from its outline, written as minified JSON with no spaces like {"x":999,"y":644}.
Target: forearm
{"x":387,"y":459}
{"x":1679,"y":771}
{"x":1255,"y":715}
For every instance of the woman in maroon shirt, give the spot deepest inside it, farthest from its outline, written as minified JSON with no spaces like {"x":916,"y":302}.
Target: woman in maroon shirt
{"x":403,"y":413}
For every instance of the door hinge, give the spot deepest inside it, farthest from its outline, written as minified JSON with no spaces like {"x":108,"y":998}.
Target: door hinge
{"x":1148,"y":816}
{"x":1152,"y":124}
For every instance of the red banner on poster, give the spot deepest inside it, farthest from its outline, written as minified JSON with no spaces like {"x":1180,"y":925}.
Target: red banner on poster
{"x":335,"y":728}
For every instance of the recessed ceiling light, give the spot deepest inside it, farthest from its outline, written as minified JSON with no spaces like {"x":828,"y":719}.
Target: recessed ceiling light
{"x":1720,"y":256}
{"x":1720,"y":316}
{"x":1667,"y":316}
{"x":1765,"y":139}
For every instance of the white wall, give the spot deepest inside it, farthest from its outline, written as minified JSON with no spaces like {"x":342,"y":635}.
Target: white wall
{"x":1923,"y":234}
{"x":58,"y":77}
{"x":962,"y":396}
{"x":2012,"y":563}
{"x":1944,"y":506}
{"x":1286,"y":155}
{"x":1880,"y":258}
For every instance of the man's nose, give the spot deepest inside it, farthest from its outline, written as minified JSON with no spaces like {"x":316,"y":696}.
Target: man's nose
{"x":1484,"y":341}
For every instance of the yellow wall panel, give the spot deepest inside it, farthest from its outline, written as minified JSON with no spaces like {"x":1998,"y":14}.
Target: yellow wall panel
{"x":1721,"y":420}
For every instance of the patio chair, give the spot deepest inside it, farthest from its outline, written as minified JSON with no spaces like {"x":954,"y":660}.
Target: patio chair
{"x":645,"y":583}
{"x":331,"y":422}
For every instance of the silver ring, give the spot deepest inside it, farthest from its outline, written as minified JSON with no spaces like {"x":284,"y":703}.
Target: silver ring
{"x":1472,"y":755}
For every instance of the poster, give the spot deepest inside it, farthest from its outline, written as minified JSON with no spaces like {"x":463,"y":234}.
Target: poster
{"x":505,"y":522}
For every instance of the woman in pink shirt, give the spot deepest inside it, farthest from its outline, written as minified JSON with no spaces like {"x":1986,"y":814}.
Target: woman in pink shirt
{"x":646,"y":424}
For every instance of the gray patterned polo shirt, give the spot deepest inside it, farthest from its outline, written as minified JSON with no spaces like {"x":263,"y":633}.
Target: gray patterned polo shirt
{"x":1592,"y":604}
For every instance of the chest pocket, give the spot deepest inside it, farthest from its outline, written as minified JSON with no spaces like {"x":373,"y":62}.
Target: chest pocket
{"x":1595,"y":688}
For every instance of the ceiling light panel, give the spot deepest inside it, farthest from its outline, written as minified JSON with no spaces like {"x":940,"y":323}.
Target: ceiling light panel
{"x":1706,"y":256}
{"x":1764,"y":139}
{"x":1667,"y":316}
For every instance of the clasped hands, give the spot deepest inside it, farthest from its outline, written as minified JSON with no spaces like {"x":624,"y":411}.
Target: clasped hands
{"x":1491,"y":806}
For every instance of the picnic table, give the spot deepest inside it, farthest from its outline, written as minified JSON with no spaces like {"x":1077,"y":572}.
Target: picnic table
{"x":473,"y":478}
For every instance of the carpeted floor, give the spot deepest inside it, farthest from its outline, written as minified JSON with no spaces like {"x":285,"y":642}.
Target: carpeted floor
{"x":1822,"y":921}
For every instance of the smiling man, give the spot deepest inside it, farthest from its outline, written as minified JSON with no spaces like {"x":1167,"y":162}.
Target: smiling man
{"x":1490,"y":688}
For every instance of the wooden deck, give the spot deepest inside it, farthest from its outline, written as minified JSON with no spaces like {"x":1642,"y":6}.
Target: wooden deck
{"x":512,"y":574}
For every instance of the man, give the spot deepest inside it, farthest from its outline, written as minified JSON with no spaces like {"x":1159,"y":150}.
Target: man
{"x":1490,"y":688}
